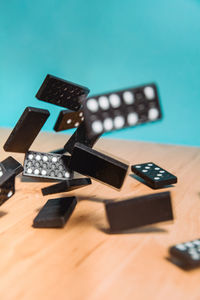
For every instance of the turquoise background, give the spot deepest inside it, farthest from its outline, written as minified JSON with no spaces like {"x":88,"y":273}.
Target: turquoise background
{"x":105,"y":45}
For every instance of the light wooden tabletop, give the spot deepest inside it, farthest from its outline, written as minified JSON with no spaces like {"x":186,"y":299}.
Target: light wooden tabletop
{"x":82,"y":260}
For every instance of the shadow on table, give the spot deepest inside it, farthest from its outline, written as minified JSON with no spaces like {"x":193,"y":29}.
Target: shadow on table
{"x":3,"y":213}
{"x":93,"y":198}
{"x":149,"y":229}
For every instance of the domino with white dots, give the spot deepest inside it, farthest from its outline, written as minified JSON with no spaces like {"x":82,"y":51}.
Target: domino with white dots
{"x":154,"y":176}
{"x":68,"y":119}
{"x":47,"y":165}
{"x":187,"y":254}
{"x":5,"y":175}
{"x":9,"y":169}
{"x":61,"y":92}
{"x":7,"y":190}
{"x":116,"y":110}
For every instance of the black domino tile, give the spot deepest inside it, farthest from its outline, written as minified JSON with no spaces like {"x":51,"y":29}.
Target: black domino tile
{"x":80,"y":136}
{"x":63,"y":93}
{"x":7,"y":190}
{"x":5,"y":175}
{"x":47,"y":165}
{"x":66,"y":186}
{"x":26,"y":130}
{"x":68,"y":119}
{"x":12,"y":165}
{"x":94,"y":164}
{"x":119,"y":109}
{"x":139,"y":211}
{"x":55,"y":213}
{"x":186,"y":255}
{"x":154,"y":176}
{"x":9,"y":167}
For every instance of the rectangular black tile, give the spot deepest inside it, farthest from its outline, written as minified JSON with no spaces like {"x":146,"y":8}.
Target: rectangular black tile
{"x":68,"y":120}
{"x":63,"y":93}
{"x":139,"y":211}
{"x":154,"y":176}
{"x":7,"y":190}
{"x":66,"y":186}
{"x":123,"y":108}
{"x":55,"y":213}
{"x":92,"y":163}
{"x":186,"y":255}
{"x":26,"y":130}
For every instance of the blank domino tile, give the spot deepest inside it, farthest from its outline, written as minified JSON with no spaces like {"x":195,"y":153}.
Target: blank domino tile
{"x":55,"y":213}
{"x":154,"y":176}
{"x":119,"y":109}
{"x":66,"y":186}
{"x":63,"y":93}
{"x":139,"y":211}
{"x":94,"y":164}
{"x":80,"y":136}
{"x":47,"y":165}
{"x":68,"y":119}
{"x":26,"y":130}
{"x":187,"y":255}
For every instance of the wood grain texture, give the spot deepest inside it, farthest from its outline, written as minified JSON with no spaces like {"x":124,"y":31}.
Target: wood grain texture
{"x":84,"y":261}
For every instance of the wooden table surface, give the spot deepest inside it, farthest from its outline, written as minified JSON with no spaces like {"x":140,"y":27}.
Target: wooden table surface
{"x":82,"y":260}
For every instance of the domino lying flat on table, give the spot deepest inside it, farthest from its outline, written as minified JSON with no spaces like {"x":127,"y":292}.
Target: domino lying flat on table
{"x":47,"y":165}
{"x":63,"y":93}
{"x":139,"y":211}
{"x":154,"y":176}
{"x":187,"y":254}
{"x":95,"y":164}
{"x":55,"y":213}
{"x":119,"y":109}
{"x":26,"y":130}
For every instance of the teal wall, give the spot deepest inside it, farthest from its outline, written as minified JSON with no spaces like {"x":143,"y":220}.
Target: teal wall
{"x":105,"y":45}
